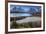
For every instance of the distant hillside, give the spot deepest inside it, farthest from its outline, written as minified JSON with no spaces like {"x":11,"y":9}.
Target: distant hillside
{"x":29,"y":19}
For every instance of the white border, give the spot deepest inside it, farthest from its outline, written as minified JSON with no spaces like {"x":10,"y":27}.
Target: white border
{"x":25,"y":29}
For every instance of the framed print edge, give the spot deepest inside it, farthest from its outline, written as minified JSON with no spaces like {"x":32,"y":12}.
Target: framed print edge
{"x":6,"y":17}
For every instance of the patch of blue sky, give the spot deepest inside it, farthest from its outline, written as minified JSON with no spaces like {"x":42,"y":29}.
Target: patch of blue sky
{"x":25,"y":8}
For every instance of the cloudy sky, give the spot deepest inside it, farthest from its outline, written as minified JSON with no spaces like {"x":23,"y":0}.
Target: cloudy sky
{"x":20,"y":8}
